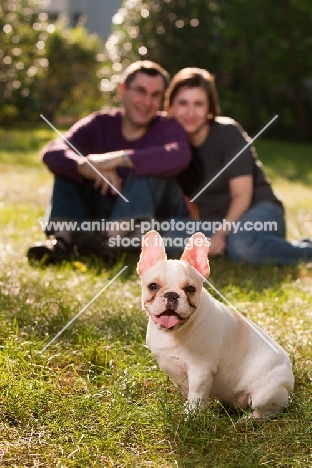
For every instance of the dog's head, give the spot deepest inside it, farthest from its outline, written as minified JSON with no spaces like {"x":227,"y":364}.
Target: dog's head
{"x":171,"y":288}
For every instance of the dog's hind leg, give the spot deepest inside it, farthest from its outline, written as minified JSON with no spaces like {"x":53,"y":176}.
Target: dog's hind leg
{"x":268,"y":402}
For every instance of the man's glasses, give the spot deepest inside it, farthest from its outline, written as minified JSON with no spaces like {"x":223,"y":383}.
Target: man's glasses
{"x":143,"y":93}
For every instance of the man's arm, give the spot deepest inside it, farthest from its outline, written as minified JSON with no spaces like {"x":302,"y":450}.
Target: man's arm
{"x":61,"y":158}
{"x":168,"y":155}
{"x":102,"y":169}
{"x":163,"y":150}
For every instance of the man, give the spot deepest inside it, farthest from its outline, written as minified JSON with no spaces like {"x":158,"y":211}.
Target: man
{"x":129,"y":154}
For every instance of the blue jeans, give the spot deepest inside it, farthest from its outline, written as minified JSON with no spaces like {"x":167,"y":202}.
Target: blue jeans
{"x":257,"y":246}
{"x":149,"y":197}
{"x":263,"y":246}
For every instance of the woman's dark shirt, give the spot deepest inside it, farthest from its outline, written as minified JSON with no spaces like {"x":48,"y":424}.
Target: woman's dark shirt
{"x":224,"y":141}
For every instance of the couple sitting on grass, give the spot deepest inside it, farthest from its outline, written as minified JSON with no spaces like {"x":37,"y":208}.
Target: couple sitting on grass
{"x":158,"y":162}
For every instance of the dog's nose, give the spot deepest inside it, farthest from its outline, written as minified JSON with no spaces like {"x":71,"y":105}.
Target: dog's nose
{"x":171,"y":296}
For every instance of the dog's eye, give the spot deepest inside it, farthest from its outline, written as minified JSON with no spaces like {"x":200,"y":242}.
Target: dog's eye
{"x":153,"y":286}
{"x":189,"y":289}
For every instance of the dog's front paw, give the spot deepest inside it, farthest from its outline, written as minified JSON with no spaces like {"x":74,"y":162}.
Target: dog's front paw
{"x":193,"y":408}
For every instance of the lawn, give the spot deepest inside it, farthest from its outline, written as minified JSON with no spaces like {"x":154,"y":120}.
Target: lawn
{"x":95,"y":397}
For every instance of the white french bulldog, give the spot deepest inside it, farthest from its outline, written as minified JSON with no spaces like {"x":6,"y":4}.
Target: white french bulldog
{"x":206,"y":349}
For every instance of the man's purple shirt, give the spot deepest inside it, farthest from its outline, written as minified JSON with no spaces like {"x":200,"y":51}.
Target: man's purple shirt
{"x":162,"y":151}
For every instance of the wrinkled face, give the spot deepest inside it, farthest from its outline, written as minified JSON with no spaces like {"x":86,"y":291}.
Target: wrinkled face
{"x":171,"y":293}
{"x":142,"y":99}
{"x":171,"y":289}
{"x":190,"y":108}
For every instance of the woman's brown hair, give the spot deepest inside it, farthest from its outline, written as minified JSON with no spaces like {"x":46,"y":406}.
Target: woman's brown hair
{"x":194,"y":78}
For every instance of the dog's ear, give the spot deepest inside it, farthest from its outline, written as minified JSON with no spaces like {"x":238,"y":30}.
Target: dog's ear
{"x":153,"y":250}
{"x":196,"y":253}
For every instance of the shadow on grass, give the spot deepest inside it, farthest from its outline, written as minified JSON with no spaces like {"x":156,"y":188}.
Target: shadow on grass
{"x":222,"y":437}
{"x":211,"y":438}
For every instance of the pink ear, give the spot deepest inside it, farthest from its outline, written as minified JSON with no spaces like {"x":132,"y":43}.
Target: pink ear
{"x":153,"y":250}
{"x":196,"y":253}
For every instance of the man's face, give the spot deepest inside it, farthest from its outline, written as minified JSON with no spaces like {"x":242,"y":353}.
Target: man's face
{"x":142,"y":98}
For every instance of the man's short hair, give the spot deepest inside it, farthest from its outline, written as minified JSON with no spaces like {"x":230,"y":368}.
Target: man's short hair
{"x":148,"y":68}
{"x":194,"y":78}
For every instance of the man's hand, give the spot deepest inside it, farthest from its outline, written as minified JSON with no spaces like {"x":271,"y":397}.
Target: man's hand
{"x":106,"y":161}
{"x":106,"y":165}
{"x":101,"y":162}
{"x":103,"y":184}
{"x":101,"y":177}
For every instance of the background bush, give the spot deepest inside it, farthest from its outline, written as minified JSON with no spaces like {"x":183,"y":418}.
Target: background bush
{"x":45,"y":68}
{"x":260,"y":53}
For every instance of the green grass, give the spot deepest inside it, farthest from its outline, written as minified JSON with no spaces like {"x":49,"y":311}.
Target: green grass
{"x":286,"y":160}
{"x":96,"y":397}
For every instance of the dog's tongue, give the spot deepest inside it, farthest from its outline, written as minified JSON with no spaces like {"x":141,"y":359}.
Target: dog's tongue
{"x":168,"y":319}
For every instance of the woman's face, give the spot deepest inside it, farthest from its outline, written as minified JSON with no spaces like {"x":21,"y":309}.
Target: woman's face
{"x":190,"y":108}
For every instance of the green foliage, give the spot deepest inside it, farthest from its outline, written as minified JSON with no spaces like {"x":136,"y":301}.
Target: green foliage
{"x":45,"y":68}
{"x":261,"y":55}
{"x":22,"y":61}
{"x":173,"y":33}
{"x":71,"y":85}
{"x":270,"y":56}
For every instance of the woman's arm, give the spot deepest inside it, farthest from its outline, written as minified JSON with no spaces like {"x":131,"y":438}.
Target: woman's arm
{"x":241,"y":189}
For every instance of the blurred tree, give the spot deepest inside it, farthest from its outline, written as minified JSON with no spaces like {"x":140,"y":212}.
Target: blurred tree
{"x":260,"y":53}
{"x":45,"y":68}
{"x":22,"y":60}
{"x":269,"y":54}
{"x":175,"y":33}
{"x":71,"y":84}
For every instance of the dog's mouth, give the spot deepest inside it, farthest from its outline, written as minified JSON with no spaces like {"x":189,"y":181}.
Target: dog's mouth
{"x":168,"y":319}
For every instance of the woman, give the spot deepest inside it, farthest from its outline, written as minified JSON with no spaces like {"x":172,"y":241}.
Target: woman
{"x":235,"y":191}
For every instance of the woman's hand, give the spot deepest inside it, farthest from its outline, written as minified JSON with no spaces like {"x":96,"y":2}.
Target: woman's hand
{"x":217,"y":244}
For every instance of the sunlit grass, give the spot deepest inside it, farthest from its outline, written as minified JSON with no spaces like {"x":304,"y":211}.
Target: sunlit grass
{"x":21,"y":146}
{"x":286,"y":160}
{"x":96,"y":397}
